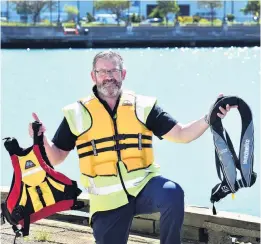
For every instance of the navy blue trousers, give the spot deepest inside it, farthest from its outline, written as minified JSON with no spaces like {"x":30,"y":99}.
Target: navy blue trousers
{"x":159,"y":195}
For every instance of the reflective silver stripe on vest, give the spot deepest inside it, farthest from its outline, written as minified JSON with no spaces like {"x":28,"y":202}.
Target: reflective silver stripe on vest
{"x":106,"y":190}
{"x":33,"y":171}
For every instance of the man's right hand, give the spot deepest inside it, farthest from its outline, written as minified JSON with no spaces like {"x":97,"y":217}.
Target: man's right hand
{"x":54,"y":154}
{"x":30,"y":128}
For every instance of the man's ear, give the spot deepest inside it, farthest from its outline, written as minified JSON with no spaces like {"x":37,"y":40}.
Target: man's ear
{"x":123,"y":74}
{"x":93,"y":76}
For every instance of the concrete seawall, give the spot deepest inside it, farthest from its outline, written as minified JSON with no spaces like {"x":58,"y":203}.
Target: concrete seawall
{"x":190,"y":35}
{"x":200,"y":226}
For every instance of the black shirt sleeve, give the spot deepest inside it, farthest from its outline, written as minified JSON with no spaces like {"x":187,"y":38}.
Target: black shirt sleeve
{"x":160,"y":122}
{"x":64,"y":139}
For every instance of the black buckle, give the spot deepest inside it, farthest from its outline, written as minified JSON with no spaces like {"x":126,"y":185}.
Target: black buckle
{"x":77,"y":205}
{"x":18,"y":232}
{"x":119,"y":137}
{"x":118,"y":147}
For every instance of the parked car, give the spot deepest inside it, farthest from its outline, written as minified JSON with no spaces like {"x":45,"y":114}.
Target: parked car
{"x":78,"y":30}
{"x":70,"y":31}
{"x":153,"y":20}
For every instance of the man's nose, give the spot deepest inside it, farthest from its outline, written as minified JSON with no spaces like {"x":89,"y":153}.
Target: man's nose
{"x":108,"y":73}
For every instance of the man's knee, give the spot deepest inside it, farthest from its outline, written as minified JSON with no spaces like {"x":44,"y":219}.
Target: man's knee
{"x":174,"y":196}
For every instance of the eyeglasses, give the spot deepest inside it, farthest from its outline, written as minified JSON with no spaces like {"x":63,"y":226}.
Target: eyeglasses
{"x":104,"y":72}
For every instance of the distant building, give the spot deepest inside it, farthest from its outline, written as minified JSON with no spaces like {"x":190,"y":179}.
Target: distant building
{"x":143,"y":8}
{"x":190,"y":8}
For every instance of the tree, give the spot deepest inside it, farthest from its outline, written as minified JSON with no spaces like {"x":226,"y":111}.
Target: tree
{"x":232,"y":6}
{"x":89,"y":17}
{"x":58,"y":10}
{"x":230,"y":17}
{"x":115,"y":7}
{"x":7,"y":10}
{"x":252,"y":7}
{"x":72,"y":12}
{"x":34,"y":7}
{"x":211,"y":5}
{"x":135,"y":18}
{"x":163,"y":8}
{"x":156,"y":13}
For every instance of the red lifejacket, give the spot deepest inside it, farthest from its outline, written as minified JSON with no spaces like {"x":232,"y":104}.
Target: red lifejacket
{"x":37,"y":190}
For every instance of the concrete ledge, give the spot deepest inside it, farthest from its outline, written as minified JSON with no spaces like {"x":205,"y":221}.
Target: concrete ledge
{"x":200,"y":226}
{"x":144,"y":226}
{"x":196,"y":216}
{"x":231,"y":230}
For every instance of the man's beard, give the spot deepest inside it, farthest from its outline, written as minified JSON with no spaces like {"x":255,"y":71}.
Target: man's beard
{"x":109,"y":88}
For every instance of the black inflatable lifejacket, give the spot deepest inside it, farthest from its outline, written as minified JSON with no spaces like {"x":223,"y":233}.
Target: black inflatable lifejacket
{"x":227,"y":162}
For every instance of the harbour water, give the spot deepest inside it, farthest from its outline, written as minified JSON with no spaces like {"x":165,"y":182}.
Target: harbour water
{"x":186,"y":82}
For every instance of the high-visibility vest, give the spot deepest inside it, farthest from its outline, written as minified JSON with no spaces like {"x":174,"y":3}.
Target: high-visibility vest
{"x":115,"y":154}
{"x":37,"y":190}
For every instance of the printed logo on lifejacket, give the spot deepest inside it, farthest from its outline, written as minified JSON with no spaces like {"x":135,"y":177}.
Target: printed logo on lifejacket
{"x":29,"y":164}
{"x":246,"y":151}
{"x":126,"y":103}
{"x":225,"y":189}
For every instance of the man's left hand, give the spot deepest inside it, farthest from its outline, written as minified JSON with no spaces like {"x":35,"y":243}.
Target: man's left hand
{"x":223,"y":111}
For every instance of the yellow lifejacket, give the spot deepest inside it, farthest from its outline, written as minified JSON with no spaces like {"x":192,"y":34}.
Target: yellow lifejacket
{"x":115,"y":154}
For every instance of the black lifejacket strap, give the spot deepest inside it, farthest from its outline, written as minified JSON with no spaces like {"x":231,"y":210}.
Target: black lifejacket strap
{"x":72,"y":192}
{"x":214,"y":211}
{"x":232,"y":150}
{"x":38,"y":139}
{"x":18,"y":232}
{"x":2,"y":219}
{"x":24,"y":231}
{"x":13,"y":147}
{"x":115,"y":148}
{"x":117,"y":137}
{"x":5,"y":215}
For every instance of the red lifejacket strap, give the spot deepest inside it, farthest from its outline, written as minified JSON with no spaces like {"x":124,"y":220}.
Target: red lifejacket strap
{"x":15,"y":191}
{"x":49,"y":210}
